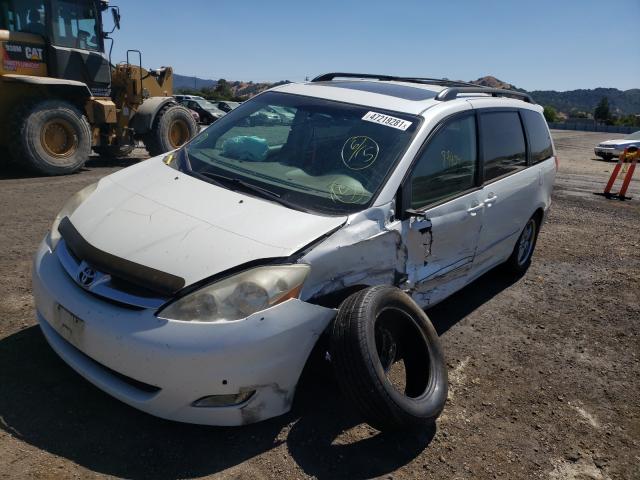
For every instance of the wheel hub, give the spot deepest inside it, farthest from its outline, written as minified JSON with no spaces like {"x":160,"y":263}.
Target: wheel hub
{"x":525,"y":245}
{"x":178,"y":133}
{"x":58,"y":138}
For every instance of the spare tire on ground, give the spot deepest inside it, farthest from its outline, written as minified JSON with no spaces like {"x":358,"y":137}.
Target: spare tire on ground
{"x":388,"y":360}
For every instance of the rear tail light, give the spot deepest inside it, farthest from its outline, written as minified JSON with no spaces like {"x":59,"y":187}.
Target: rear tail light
{"x":557,"y":161}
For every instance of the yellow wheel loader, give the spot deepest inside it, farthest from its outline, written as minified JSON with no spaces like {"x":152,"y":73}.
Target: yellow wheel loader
{"x":60,"y":96}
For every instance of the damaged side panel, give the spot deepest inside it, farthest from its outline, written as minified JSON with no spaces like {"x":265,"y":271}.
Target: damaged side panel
{"x":369,"y":250}
{"x":427,"y":256}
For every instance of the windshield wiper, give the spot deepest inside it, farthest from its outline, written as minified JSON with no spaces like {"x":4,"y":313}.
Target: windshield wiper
{"x":221,"y":180}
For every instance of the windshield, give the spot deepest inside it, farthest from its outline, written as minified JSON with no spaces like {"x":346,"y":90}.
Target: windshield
{"x":633,"y":136}
{"x":319,"y":155}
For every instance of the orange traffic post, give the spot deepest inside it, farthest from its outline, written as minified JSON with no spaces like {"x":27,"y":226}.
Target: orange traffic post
{"x":630,"y":154}
{"x":627,"y":178}
{"x":614,"y":174}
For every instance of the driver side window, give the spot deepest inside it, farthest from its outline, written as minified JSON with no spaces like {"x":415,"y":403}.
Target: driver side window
{"x":75,"y":25}
{"x":448,"y":165}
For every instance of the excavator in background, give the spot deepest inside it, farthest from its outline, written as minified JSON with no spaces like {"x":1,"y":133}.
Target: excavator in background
{"x":61,"y":97}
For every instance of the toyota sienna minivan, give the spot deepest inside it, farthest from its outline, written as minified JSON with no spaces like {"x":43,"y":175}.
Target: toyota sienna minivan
{"x":195,"y":285}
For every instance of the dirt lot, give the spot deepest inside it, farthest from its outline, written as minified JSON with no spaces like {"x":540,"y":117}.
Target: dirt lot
{"x":544,"y":370}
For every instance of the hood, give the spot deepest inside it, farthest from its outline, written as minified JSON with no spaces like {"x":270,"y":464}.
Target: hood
{"x":622,"y":142}
{"x":158,"y":217}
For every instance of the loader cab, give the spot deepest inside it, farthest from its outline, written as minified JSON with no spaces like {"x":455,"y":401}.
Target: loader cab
{"x":72,"y":36}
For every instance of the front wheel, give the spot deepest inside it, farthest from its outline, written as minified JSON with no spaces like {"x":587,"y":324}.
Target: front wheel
{"x":53,"y":137}
{"x":173,"y":127}
{"x":388,"y":360}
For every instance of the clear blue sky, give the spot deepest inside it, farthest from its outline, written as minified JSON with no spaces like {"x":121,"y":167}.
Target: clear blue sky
{"x":538,"y":44}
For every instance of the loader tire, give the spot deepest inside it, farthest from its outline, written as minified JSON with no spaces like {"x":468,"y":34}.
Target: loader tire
{"x":173,"y":127}
{"x":51,"y":137}
{"x":388,"y":360}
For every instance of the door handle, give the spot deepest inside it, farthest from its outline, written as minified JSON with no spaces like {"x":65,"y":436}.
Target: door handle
{"x":490,"y":199}
{"x":473,"y":211}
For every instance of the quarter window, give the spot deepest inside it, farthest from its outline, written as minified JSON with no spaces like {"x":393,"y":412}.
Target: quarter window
{"x":448,"y":164}
{"x":503,"y":145}
{"x":539,"y":138}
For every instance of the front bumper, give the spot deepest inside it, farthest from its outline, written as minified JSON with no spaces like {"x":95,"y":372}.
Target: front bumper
{"x":607,"y":152}
{"x":162,"y":367}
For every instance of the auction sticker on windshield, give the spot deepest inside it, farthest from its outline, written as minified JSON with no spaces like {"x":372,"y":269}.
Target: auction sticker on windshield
{"x":386,"y":120}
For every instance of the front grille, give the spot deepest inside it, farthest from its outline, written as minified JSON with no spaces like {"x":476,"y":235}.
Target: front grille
{"x":108,"y":287}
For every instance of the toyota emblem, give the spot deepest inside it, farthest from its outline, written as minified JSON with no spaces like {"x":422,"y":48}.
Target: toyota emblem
{"x":86,"y":276}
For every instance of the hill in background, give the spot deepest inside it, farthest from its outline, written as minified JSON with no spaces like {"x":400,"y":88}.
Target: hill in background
{"x":195,"y":83}
{"x":624,"y":102}
{"x":621,"y":102}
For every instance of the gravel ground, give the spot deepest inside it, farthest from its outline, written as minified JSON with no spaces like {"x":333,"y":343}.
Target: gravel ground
{"x":543,"y":369}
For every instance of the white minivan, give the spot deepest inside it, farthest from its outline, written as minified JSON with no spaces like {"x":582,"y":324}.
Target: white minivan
{"x":194,"y":286}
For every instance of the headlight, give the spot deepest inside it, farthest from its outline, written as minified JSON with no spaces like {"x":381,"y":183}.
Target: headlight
{"x":67,"y":210}
{"x":240,"y":295}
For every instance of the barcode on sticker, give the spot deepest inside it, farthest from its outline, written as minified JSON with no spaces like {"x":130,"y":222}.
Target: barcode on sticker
{"x":387,"y":120}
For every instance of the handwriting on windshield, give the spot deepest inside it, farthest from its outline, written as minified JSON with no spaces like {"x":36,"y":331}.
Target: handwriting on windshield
{"x":359,"y":152}
{"x":347,"y":193}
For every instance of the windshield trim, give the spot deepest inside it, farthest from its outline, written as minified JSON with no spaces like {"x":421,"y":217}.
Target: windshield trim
{"x":631,"y":136}
{"x":392,"y":167}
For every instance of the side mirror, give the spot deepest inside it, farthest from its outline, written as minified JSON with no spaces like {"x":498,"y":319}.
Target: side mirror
{"x":115,"y":13}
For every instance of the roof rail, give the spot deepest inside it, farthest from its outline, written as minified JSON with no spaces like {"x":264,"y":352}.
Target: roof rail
{"x":327,"y":77}
{"x":453,"y":92}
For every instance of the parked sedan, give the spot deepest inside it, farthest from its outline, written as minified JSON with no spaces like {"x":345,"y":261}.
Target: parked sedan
{"x":265,"y":116}
{"x":208,"y":111}
{"x":227,"y":106}
{"x":613,"y":148}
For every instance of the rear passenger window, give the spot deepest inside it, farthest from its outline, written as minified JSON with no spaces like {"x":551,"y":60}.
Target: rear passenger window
{"x":502,"y":144}
{"x":448,"y":164}
{"x":539,"y":138}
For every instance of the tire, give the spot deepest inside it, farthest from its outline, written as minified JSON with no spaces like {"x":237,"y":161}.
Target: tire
{"x":53,"y":137}
{"x":163,"y":137}
{"x":520,"y":258}
{"x":110,"y":151}
{"x":378,"y":332}
{"x":5,"y":157}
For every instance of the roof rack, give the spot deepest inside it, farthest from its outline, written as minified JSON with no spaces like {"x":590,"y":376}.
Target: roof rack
{"x":453,"y":92}
{"x":454,"y":87}
{"x":327,"y":77}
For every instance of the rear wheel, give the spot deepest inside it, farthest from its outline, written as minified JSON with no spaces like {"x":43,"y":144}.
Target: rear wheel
{"x":388,"y":360}
{"x":520,"y":258}
{"x":53,"y":137}
{"x":173,"y":127}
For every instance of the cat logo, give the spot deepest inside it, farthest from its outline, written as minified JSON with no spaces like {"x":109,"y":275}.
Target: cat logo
{"x":33,"y":53}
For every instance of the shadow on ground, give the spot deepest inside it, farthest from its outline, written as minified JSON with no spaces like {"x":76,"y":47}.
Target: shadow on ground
{"x":46,"y":404}
{"x":449,"y":312}
{"x":14,"y":171}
